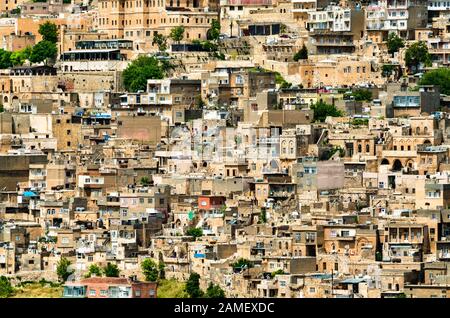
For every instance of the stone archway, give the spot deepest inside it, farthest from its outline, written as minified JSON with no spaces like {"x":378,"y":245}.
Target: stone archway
{"x":397,"y":166}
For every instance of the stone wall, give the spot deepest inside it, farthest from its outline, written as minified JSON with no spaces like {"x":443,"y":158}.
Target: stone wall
{"x":23,"y":276}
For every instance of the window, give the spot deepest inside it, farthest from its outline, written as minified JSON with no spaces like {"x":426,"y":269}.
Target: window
{"x":137,"y":293}
{"x":103,"y":292}
{"x":92,"y":292}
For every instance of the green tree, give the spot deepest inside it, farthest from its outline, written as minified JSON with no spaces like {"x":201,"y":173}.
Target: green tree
{"x":327,"y":155}
{"x":323,"y":110}
{"x":49,"y":32}
{"x":302,"y":54}
{"x":6,"y":289}
{"x":111,"y":270}
{"x":209,"y":46}
{"x":439,"y":77}
{"x":242,"y":263}
{"x":394,"y":43}
{"x":166,"y":66}
{"x":263,"y":215}
{"x":387,"y":70}
{"x":286,"y":85}
{"x":145,"y":181}
{"x":360,"y":122}
{"x":195,"y":232}
{"x":139,"y":71}
{"x":214,"y":291}
{"x":362,"y":95}
{"x":162,"y":270}
{"x":378,"y":256}
{"x":416,"y":55}
{"x":19,"y":57}
{"x":150,"y":270}
{"x":43,"y":51}
{"x":15,"y":11}
{"x":193,"y":286}
{"x":5,"y":59}
{"x":199,"y":103}
{"x":160,"y":41}
{"x":177,"y":33}
{"x":62,"y":269}
{"x":214,"y":32}
{"x":277,"y":272}
{"x":94,"y":269}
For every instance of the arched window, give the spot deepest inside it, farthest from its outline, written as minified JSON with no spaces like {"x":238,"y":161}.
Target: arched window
{"x":417,"y":130}
{"x":425,"y":130}
{"x":367,"y":148}
{"x":283,"y":147}
{"x":359,"y":148}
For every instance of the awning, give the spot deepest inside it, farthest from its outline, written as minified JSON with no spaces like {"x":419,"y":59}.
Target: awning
{"x":29,"y":194}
